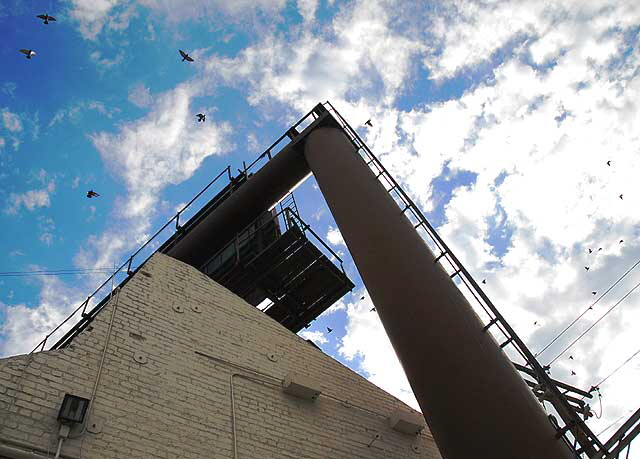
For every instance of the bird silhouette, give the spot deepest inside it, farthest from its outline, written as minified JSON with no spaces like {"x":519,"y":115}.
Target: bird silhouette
{"x":570,"y":357}
{"x":46,"y":18}
{"x":362,"y":298}
{"x":329,"y":330}
{"x":599,"y":249}
{"x":484,"y":281}
{"x":594,"y":293}
{"x":536,"y":323}
{"x":28,"y":53}
{"x":368,"y":123}
{"x":609,"y":163}
{"x":621,"y":241}
{"x":620,"y":196}
{"x":92,"y":194}
{"x":201,"y":117}
{"x":573,"y":373}
{"x":587,"y":268}
{"x":372,"y":309}
{"x":590,"y":251}
{"x":185,"y":56}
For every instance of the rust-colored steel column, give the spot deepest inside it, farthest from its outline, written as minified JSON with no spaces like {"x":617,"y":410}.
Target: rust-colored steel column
{"x":473,"y":399}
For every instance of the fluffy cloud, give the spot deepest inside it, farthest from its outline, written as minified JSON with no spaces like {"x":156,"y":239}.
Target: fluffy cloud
{"x":74,"y":112}
{"x":94,"y":16}
{"x":315,"y":336}
{"x":25,"y":326}
{"x":366,"y":345}
{"x":359,"y":52}
{"x":160,"y":149}
{"x":11,"y":121}
{"x":140,"y":96}
{"x":334,"y":236}
{"x":514,"y":167}
{"x":30,"y":200}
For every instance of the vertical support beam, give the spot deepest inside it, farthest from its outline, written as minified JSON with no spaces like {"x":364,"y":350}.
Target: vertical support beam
{"x":475,"y":402}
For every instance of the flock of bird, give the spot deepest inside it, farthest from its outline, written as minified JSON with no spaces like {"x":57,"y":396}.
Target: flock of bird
{"x":201,"y":117}
{"x":29,"y":53}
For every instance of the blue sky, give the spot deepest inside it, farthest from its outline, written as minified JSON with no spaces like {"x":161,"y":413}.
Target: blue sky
{"x":497,"y":118}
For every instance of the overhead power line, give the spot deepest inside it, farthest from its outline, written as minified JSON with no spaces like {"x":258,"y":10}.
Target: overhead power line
{"x":617,"y":369}
{"x":595,"y":323}
{"x":588,"y":309}
{"x":54,"y":272}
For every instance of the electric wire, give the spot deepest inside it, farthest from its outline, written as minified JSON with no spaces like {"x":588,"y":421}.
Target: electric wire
{"x":588,"y":309}
{"x":53,"y":272}
{"x":617,"y":369}
{"x":594,"y":324}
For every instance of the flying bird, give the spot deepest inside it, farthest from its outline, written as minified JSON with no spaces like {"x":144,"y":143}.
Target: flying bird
{"x":570,"y":357}
{"x":587,"y":268}
{"x":609,"y":163}
{"x":594,"y":293}
{"x":46,"y":18}
{"x":201,"y":117}
{"x":590,"y":251}
{"x":28,"y":53}
{"x":373,"y":309}
{"x":185,"y":56}
{"x":368,"y":123}
{"x":329,"y":330}
{"x":599,"y":249}
{"x":573,"y":373}
{"x":92,"y":194}
{"x":362,"y":298}
{"x":536,"y":323}
{"x":484,"y":281}
{"x":621,"y":241}
{"x":620,"y":196}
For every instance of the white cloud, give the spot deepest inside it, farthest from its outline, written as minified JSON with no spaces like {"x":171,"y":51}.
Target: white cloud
{"x":46,"y":226}
{"x":307,"y":9}
{"x":30,"y":200}
{"x":181,"y":10}
{"x":160,"y":149}
{"x":315,"y":336}
{"x":105,"y":63}
{"x":533,"y":142}
{"x":350,"y":57}
{"x":9,"y":88}
{"x":11,"y":121}
{"x":75,"y":111}
{"x":140,"y":96}
{"x":334,"y":236}
{"x":92,"y":15}
{"x":25,"y":326}
{"x":366,"y":345}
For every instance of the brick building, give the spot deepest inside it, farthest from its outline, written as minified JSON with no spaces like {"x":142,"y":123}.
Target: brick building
{"x":178,"y":366}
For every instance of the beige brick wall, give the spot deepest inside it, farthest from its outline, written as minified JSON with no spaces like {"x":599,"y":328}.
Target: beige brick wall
{"x":179,"y":346}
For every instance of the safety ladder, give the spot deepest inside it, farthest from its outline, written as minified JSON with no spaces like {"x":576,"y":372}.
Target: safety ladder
{"x":584,"y":440}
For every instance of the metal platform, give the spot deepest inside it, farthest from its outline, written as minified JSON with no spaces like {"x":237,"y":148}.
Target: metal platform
{"x":285,"y":273}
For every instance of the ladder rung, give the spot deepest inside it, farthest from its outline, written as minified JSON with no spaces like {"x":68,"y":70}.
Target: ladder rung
{"x":381,"y":172}
{"x":417,"y":225}
{"x":407,"y":207}
{"x":440,"y":256}
{"x":490,"y":324}
{"x":506,"y":342}
{"x":458,"y":271}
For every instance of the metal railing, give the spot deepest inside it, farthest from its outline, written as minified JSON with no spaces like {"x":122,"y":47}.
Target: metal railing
{"x":590,"y":444}
{"x":127,"y":265}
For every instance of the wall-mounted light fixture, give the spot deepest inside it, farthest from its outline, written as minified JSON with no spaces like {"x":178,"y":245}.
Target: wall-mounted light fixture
{"x":73,"y":409}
